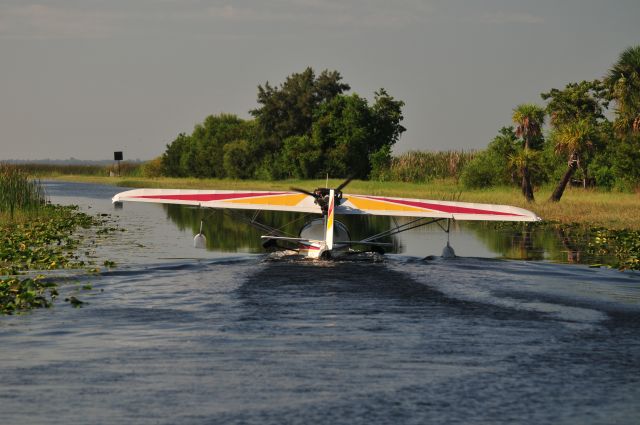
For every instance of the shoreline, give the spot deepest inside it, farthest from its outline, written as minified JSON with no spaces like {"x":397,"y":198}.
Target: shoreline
{"x":588,"y":207}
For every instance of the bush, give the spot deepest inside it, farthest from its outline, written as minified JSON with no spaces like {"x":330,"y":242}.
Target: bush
{"x":299,"y":157}
{"x":486,"y":169}
{"x":604,"y":177}
{"x":153,"y":168}
{"x":380,"y":164}
{"x":237,"y":160}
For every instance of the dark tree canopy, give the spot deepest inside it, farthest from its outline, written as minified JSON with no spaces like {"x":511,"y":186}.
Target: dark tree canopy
{"x":578,"y":101}
{"x":350,"y":132}
{"x":287,"y":110}
{"x":623,"y":82}
{"x":304,"y":128}
{"x":201,"y":154}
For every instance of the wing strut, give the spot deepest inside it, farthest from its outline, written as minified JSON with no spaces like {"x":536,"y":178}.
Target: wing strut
{"x":404,"y":227}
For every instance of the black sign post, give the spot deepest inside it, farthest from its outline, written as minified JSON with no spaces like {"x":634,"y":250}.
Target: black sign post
{"x":117,"y":156}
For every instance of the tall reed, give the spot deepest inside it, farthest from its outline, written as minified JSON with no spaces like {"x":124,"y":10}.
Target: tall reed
{"x":422,"y":166}
{"x":18,"y":192}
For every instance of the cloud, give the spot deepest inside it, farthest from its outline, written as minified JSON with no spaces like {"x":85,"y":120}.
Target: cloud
{"x":501,"y":17}
{"x":325,"y":13}
{"x":107,"y":18}
{"x":45,"y":21}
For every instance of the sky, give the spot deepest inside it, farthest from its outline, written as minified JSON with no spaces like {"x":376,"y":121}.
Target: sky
{"x":85,"y":78}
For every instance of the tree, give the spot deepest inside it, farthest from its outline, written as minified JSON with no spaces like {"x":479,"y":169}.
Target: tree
{"x":529,"y":119}
{"x":577,"y":101}
{"x":387,"y":115}
{"x":238,"y":160}
{"x":343,"y":129}
{"x":623,"y":82}
{"x":576,"y":112}
{"x":208,"y":142}
{"x":300,"y":157}
{"x":573,"y":139}
{"x":171,"y":158}
{"x":380,"y":163}
{"x":525,"y":160}
{"x":489,"y":167}
{"x":304,"y":128}
{"x":351,"y":134}
{"x":288,"y":110}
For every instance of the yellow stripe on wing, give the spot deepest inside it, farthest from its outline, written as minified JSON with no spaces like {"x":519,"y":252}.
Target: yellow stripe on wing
{"x":289,"y":200}
{"x":370,"y":204}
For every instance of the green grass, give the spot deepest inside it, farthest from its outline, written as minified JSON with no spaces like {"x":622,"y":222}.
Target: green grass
{"x":584,"y":206}
{"x":51,"y":170}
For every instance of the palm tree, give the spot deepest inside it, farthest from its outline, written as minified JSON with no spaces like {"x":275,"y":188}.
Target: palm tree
{"x":623,"y":81}
{"x":573,"y":139}
{"x":529,"y":119}
{"x":524,"y":160}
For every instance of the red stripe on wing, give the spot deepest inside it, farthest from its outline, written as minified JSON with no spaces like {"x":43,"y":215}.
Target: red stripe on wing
{"x":205,"y":197}
{"x":443,"y":208}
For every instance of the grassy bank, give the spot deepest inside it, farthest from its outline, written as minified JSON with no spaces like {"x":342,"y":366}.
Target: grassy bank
{"x":584,"y":206}
{"x":603,"y":223}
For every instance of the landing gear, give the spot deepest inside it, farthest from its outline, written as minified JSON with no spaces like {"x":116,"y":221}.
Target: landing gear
{"x":447,"y":251}
{"x":200,"y":240}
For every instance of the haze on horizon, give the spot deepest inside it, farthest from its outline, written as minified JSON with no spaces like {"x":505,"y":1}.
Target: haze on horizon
{"x":85,"y":78}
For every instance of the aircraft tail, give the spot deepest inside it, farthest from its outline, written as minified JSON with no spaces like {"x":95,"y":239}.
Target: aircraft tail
{"x":330,"y":221}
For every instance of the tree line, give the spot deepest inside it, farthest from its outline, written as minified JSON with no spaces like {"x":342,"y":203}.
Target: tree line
{"x":582,"y":142}
{"x":310,"y":126}
{"x":306,"y":127}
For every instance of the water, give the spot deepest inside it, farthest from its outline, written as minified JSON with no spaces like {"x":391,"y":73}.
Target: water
{"x":178,"y":335}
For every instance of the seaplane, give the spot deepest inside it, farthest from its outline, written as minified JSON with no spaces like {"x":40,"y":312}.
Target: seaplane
{"x":323,"y":236}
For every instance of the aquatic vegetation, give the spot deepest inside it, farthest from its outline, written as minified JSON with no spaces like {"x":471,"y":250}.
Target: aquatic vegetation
{"x":23,"y":294}
{"x":570,"y":243}
{"x":623,"y":244}
{"x":74,"y":301}
{"x":47,"y":241}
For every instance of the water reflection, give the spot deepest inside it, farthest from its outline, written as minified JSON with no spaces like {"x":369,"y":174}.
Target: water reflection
{"x":229,"y":233}
{"x":521,"y":241}
{"x":534,"y":242}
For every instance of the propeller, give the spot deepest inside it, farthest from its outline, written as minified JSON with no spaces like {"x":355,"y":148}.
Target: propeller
{"x":306,"y":192}
{"x":345,"y":183}
{"x":321,"y":194}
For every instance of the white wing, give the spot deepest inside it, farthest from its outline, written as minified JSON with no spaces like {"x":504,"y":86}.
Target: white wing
{"x":232,"y":199}
{"x":350,"y":204}
{"x":406,"y":207}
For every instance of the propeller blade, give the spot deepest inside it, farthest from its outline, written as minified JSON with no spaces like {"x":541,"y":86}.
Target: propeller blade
{"x":306,"y":192}
{"x":344,"y":183}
